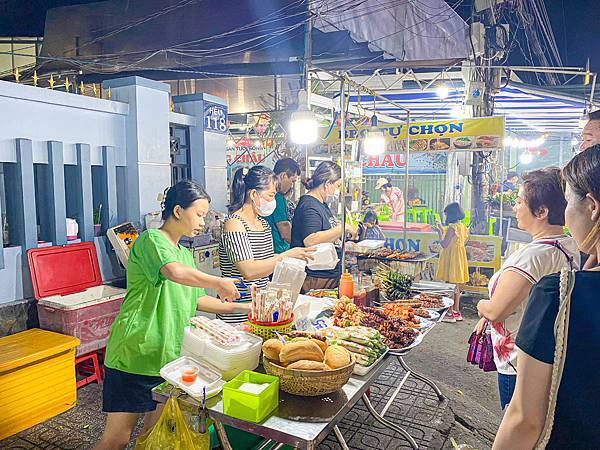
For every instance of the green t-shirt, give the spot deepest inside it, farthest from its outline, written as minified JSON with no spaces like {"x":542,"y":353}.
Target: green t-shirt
{"x":148,"y":331}
{"x":279,"y":215}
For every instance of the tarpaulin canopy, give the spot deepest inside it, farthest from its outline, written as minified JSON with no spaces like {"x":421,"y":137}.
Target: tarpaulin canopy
{"x":423,"y":30}
{"x":177,"y":39}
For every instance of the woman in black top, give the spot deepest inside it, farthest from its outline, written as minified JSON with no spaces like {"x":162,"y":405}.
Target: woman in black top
{"x":576,"y":413}
{"x":314,"y":223}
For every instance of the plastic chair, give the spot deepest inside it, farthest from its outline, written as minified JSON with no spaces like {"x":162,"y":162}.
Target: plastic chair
{"x":491,"y":223}
{"x":88,"y":366}
{"x":467,"y":219}
{"x":411,"y":215}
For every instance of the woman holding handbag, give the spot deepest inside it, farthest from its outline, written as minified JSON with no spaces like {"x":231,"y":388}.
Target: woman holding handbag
{"x":556,"y":400}
{"x":540,"y":210}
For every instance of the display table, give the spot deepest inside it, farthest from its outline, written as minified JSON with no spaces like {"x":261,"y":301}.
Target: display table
{"x":304,"y":422}
{"x":301,"y":422}
{"x":483,"y":253}
{"x":419,"y":268}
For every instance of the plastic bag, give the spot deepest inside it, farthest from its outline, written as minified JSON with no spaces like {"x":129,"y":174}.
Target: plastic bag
{"x":172,"y":433}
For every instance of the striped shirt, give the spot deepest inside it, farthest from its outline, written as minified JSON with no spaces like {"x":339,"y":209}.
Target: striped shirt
{"x":245,"y":245}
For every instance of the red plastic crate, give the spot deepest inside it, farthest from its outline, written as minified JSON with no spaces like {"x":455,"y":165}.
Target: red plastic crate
{"x":71,"y":298}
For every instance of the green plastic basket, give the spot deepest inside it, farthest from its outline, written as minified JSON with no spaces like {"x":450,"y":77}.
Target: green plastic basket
{"x":247,"y":406}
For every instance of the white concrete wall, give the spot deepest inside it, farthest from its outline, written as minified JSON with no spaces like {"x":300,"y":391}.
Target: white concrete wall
{"x":42,"y":115}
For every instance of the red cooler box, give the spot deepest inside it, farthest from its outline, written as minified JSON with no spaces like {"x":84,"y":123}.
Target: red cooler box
{"x":71,"y":297}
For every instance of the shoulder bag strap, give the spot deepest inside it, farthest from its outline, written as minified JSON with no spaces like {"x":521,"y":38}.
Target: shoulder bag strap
{"x":561,"y":334}
{"x":560,"y":247}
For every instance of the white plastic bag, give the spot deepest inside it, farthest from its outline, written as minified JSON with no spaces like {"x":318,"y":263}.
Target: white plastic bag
{"x":324,"y":258}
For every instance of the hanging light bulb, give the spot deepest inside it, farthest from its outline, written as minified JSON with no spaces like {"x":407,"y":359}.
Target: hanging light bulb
{"x":526,"y":158}
{"x":303,"y":123}
{"x":374,"y":140}
{"x":442,"y":91}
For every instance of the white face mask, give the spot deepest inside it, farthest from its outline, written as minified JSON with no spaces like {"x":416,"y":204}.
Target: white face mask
{"x":330,"y":198}
{"x":265,"y":207}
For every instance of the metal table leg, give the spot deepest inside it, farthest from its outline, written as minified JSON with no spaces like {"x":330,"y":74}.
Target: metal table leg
{"x":225,"y":445}
{"x":389,"y":424}
{"x":266,"y":444}
{"x":422,"y":378}
{"x":340,"y":438}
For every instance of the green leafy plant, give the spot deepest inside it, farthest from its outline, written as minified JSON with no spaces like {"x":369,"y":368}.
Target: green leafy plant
{"x":509,"y":199}
{"x":98,"y":215}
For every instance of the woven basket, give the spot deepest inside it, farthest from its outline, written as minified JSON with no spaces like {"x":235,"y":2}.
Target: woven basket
{"x":309,"y":383}
{"x":267,"y":330}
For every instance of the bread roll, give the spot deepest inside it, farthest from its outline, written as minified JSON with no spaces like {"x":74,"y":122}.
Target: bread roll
{"x":308,"y":365}
{"x":271,"y":349}
{"x":296,"y":351}
{"x":337,"y":356}
{"x":322,"y":345}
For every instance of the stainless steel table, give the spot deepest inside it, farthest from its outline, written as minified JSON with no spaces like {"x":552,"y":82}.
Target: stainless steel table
{"x":304,"y":422}
{"x":301,"y":422}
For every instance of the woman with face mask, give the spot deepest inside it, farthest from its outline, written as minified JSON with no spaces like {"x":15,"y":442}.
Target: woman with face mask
{"x":246,"y":248}
{"x":314,"y":223}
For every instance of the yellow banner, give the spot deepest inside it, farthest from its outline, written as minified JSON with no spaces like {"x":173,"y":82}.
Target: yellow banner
{"x":485,"y":133}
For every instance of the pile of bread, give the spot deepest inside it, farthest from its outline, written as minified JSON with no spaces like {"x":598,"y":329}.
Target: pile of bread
{"x":306,"y":353}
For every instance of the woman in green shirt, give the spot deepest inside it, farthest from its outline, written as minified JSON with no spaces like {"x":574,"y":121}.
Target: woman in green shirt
{"x":164,"y":289}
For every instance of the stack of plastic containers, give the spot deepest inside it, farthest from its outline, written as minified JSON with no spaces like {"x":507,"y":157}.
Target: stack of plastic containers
{"x":229,"y":359}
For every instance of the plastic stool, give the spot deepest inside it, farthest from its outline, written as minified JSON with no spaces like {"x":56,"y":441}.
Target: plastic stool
{"x":88,"y":364}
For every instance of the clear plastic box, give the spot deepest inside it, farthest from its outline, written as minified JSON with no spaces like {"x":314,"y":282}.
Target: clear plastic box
{"x":230,"y":361}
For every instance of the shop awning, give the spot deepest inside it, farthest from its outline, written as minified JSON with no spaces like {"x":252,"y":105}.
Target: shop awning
{"x":526,"y":108}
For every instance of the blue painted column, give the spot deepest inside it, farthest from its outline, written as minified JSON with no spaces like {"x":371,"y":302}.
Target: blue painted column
{"x":147,"y":142}
{"x":109,"y":188}
{"x":56,"y":193}
{"x":83,"y":194}
{"x":207,"y":143}
{"x":20,"y":208}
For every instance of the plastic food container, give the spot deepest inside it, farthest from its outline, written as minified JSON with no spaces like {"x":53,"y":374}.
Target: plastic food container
{"x":206,"y":377}
{"x":324,"y":258}
{"x":246,"y":405}
{"x":229,"y":361}
{"x":74,"y":302}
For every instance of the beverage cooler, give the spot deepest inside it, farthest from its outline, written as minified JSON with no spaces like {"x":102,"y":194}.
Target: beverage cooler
{"x":71,"y":298}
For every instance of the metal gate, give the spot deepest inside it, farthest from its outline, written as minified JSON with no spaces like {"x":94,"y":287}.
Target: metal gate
{"x":180,"y":153}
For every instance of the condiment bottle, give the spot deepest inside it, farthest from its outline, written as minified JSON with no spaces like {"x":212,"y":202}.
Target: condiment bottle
{"x":346,"y":286}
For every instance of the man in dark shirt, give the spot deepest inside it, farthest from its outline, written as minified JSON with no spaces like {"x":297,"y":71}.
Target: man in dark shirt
{"x":287,"y":171}
{"x":511,"y":182}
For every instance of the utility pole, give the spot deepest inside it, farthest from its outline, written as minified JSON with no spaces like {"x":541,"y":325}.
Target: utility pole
{"x":486,"y":78}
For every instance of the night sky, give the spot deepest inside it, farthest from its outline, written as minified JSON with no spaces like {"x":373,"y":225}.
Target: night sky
{"x":576,"y":24}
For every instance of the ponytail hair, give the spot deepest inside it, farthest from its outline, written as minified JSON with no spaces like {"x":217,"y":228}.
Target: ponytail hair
{"x":325,"y":172}
{"x":244,"y":180}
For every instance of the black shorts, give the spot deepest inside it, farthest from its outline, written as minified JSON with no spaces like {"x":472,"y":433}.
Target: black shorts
{"x":128,"y":392}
